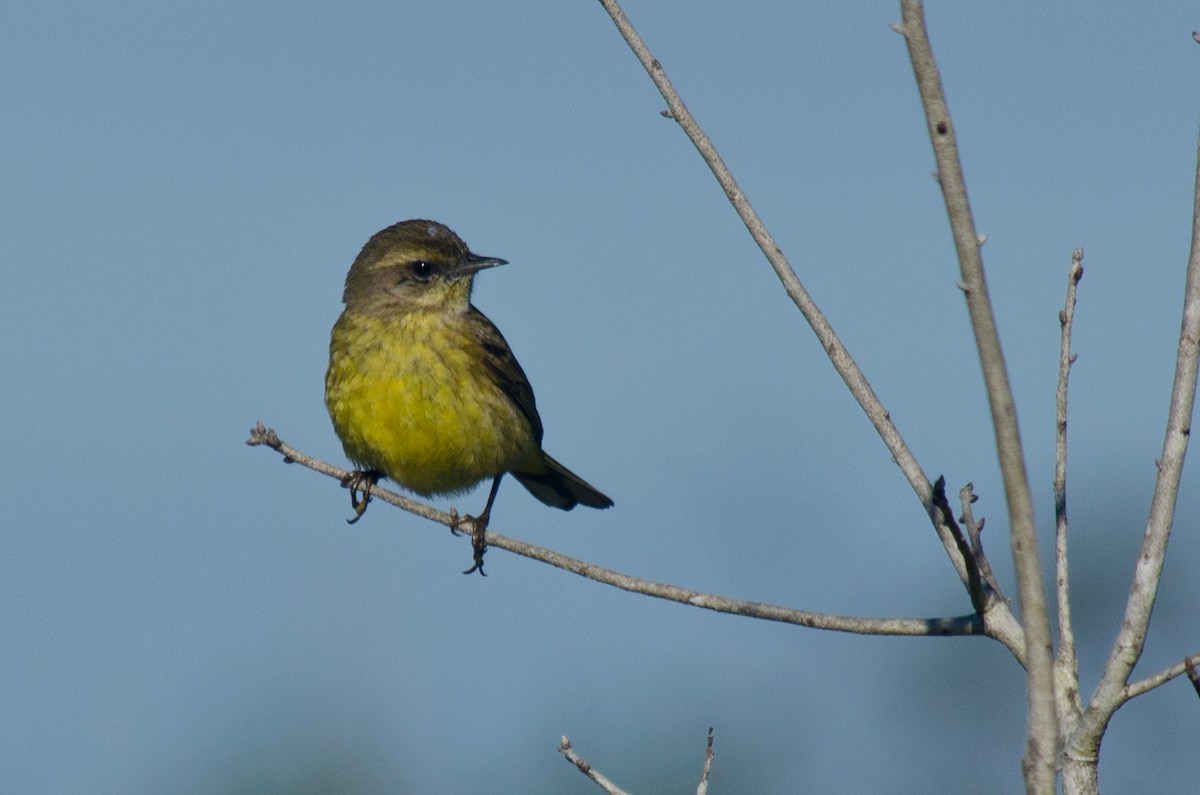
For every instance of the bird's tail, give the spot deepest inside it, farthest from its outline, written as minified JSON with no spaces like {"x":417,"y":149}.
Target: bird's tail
{"x":557,"y":486}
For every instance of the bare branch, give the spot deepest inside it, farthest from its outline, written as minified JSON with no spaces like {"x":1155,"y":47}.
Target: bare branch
{"x":1067,"y":662}
{"x":1041,"y":754}
{"x":974,"y":580}
{"x":702,"y":788}
{"x":933,"y":627}
{"x":966,"y":496}
{"x":586,"y":769}
{"x":1186,"y":665}
{"x":1002,"y":624}
{"x":1131,"y":639}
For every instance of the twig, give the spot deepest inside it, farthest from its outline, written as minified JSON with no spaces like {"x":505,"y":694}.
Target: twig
{"x":702,"y":787}
{"x":934,"y":627}
{"x":1186,"y":665}
{"x":1067,"y":661}
{"x":1041,"y":752}
{"x":967,"y":498}
{"x":586,"y":769}
{"x":1001,"y":624}
{"x":974,"y":583}
{"x":565,"y":748}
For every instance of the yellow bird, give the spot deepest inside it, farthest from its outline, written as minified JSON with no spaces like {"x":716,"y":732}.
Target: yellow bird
{"x":423,"y":388}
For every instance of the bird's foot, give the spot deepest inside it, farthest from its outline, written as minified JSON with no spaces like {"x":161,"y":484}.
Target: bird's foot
{"x":360,"y":482}
{"x":478,"y":538}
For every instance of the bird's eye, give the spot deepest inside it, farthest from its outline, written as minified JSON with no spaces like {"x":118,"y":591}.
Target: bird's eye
{"x":421,"y":270}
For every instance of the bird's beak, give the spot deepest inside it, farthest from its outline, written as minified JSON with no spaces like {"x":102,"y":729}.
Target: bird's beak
{"x":472,"y":263}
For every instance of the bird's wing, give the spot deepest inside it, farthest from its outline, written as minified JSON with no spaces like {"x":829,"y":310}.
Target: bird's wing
{"x":506,"y":373}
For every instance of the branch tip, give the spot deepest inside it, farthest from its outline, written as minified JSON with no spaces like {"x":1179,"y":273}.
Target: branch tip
{"x":586,"y":768}
{"x":261,"y":434}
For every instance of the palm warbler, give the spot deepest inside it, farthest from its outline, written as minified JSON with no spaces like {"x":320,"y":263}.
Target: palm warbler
{"x":422,"y":388}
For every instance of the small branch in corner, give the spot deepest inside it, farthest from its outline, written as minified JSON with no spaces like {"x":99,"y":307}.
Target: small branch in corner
{"x":702,"y":788}
{"x":586,"y":768}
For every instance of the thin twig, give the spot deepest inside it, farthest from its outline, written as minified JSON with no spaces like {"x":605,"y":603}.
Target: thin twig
{"x":586,"y":769}
{"x":1041,"y":753}
{"x":1000,"y":622}
{"x":933,"y":627}
{"x":974,"y":581}
{"x":967,"y":498}
{"x":1131,"y":639}
{"x":1186,"y":665}
{"x":1067,"y":661}
{"x":702,"y":787}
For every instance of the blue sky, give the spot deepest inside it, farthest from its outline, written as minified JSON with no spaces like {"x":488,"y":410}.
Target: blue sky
{"x":185,"y":188}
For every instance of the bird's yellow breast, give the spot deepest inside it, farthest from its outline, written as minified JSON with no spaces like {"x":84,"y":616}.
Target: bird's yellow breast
{"x":411,"y":395}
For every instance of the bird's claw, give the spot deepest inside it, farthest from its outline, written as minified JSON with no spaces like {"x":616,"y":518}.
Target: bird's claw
{"x":360,"y":482}
{"x":478,"y":542}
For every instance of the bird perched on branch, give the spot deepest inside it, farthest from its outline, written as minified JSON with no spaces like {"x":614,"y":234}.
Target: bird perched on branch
{"x":422,"y":388}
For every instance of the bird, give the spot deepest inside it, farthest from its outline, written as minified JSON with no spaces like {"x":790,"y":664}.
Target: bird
{"x":422,"y":388}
